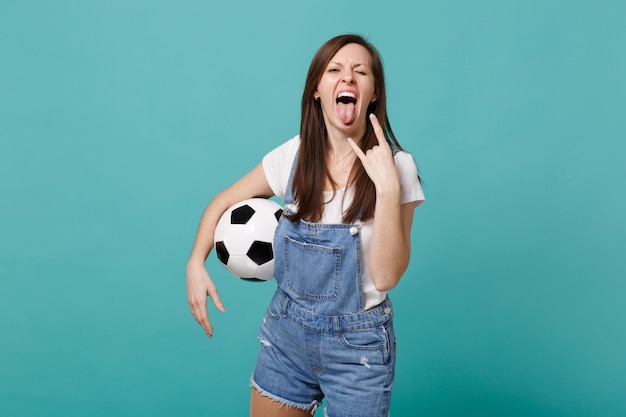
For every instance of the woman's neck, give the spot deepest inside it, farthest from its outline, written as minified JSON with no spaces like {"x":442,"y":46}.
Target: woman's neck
{"x":338,"y":147}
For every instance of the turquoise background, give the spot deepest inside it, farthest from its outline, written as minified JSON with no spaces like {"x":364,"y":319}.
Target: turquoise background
{"x":119,"y":120}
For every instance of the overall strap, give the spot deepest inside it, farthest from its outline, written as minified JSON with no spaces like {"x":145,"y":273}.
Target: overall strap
{"x":289,"y":190}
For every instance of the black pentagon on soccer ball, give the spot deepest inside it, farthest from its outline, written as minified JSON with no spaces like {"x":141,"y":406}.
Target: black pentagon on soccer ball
{"x":241,"y":215}
{"x":278,"y":213}
{"x":222,"y":252}
{"x":260,"y":252}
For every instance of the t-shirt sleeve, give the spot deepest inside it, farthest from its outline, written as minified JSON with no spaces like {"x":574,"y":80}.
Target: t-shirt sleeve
{"x":410,"y":187}
{"x":277,"y":165}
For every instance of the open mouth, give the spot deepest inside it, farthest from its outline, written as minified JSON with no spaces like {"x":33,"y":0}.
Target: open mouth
{"x":346,"y":98}
{"x":346,"y":104}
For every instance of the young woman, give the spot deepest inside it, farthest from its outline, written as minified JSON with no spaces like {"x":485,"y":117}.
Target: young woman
{"x":343,"y":242}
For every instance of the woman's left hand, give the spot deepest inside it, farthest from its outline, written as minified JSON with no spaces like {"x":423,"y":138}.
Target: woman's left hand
{"x":378,"y":161}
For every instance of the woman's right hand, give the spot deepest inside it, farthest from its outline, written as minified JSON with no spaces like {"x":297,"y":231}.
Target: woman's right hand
{"x":199,"y":287}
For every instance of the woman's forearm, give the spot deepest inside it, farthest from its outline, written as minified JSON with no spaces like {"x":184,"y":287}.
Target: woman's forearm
{"x":391,"y":245}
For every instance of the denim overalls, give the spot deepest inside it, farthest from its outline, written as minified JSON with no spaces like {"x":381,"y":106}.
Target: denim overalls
{"x":316,"y":339}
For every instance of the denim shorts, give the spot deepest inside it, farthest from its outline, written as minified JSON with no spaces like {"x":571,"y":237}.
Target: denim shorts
{"x":348,"y":359}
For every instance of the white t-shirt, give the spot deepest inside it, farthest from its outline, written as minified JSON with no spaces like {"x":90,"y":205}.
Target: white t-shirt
{"x":277,"y":165}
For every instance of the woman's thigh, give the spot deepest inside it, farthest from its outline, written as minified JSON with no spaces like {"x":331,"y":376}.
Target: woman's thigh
{"x":261,"y":406}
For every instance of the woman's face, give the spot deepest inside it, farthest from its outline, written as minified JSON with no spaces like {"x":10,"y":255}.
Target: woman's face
{"x":346,"y":89}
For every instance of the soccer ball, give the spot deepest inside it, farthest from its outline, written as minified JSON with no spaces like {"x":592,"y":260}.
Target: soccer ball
{"x":244,"y":238}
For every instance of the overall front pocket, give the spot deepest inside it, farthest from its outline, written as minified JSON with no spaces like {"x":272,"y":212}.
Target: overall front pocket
{"x":312,"y":271}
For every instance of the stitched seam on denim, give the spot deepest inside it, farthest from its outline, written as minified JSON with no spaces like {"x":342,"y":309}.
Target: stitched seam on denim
{"x":347,"y":322}
{"x":371,"y":348}
{"x":335,"y":252}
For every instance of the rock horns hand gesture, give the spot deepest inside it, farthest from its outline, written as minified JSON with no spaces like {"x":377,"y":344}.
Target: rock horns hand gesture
{"x":378,"y":161}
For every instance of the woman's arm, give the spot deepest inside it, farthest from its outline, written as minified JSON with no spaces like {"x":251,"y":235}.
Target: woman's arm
{"x":199,"y":283}
{"x":391,"y":240}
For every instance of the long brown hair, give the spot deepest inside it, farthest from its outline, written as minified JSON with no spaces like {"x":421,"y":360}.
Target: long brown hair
{"x":311,"y":171}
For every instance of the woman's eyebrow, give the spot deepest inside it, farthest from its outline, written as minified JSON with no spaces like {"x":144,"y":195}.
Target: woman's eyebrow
{"x":358,"y":64}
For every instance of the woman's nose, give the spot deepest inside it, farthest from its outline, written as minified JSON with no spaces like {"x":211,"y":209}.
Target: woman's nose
{"x":348,"y":77}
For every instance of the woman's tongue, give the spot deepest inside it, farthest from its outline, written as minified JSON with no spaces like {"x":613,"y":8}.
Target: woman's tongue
{"x":346,"y":112}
